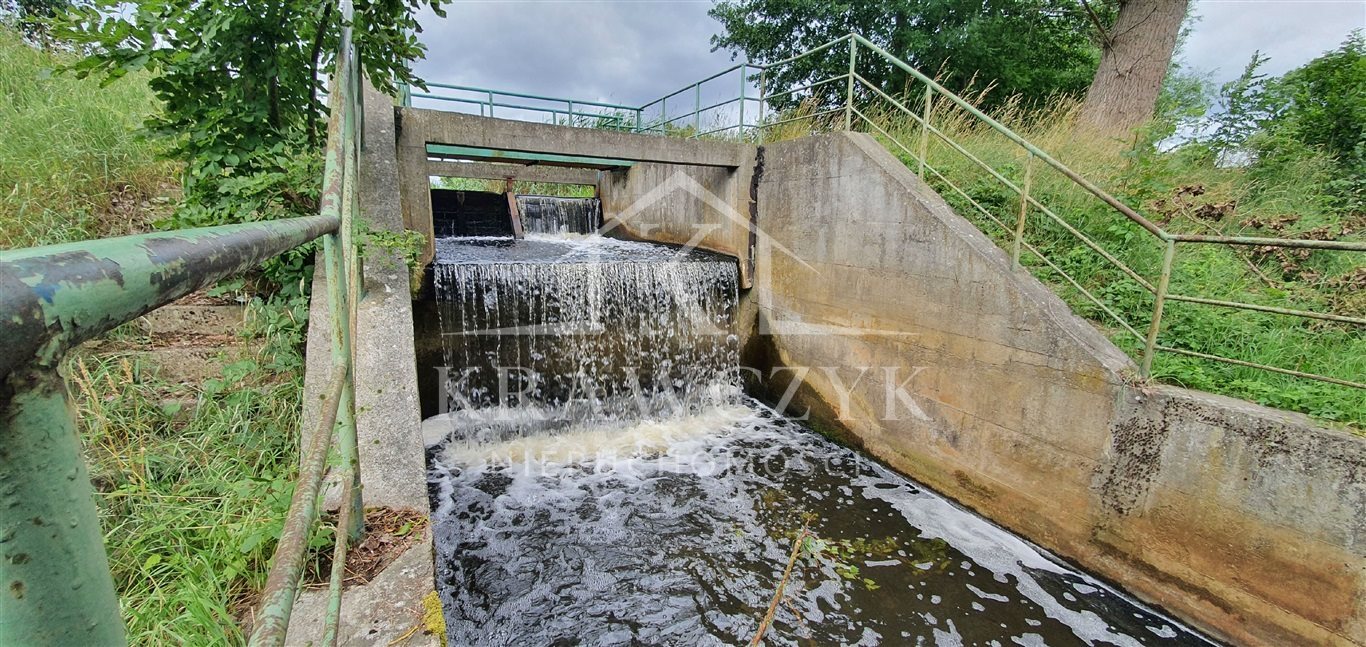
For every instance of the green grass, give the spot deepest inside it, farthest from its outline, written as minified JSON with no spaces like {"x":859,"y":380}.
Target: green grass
{"x":520,"y":187}
{"x":193,"y":480}
{"x":1185,"y":192}
{"x":73,"y":164}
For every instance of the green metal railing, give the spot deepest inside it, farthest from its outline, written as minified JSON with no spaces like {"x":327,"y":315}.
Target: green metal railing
{"x":493,"y":103}
{"x":54,"y":571}
{"x":750,"y":115}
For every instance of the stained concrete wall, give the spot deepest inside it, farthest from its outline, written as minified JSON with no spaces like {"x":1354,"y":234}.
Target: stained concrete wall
{"x":1246,"y":521}
{"x":388,"y":419}
{"x":707,"y":207}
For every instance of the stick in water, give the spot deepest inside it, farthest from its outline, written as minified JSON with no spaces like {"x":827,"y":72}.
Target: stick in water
{"x":778,"y":596}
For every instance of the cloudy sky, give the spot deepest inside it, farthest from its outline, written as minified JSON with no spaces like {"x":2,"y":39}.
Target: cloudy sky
{"x":632,"y":51}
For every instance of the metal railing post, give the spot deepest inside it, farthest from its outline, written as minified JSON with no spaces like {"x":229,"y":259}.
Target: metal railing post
{"x":1160,"y":299}
{"x":1024,"y":209}
{"x":490,"y":103}
{"x":743,"y":78}
{"x":352,"y":285}
{"x":638,"y":111}
{"x":697,"y":110}
{"x":925,"y":129}
{"x":849,"y":87}
{"x":571,"y":112}
{"x":55,"y":573}
{"x":759,"y":126}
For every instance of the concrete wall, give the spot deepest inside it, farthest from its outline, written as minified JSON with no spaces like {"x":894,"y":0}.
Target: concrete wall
{"x":388,"y":420}
{"x":1246,"y":521}
{"x":701,"y":206}
{"x":682,"y":191}
{"x":519,"y":172}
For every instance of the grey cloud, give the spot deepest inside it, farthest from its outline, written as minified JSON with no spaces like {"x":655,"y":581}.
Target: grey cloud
{"x":623,"y":51}
{"x":632,"y":51}
{"x":1290,"y":32}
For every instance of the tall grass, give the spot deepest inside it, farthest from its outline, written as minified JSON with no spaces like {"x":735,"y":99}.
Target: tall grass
{"x":193,"y":481}
{"x":1184,"y":191}
{"x":73,"y":164}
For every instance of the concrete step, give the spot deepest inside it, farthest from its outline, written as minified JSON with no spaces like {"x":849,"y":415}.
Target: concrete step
{"x":193,"y":319}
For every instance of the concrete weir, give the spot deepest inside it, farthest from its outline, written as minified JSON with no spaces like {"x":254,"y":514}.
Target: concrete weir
{"x":915,"y":339}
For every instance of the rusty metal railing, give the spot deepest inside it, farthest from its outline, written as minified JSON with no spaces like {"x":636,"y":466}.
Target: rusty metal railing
{"x":54,"y":571}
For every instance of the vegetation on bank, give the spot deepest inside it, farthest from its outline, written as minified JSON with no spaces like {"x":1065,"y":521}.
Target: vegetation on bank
{"x":193,"y":480}
{"x":73,"y":164}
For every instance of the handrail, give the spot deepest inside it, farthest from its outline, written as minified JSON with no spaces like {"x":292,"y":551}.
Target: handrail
{"x":58,"y":584}
{"x":755,"y":130}
{"x":523,"y":95}
{"x":342,"y":270}
{"x":51,"y":299}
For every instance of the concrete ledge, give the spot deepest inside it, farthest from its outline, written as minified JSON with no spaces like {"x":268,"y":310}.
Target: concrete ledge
{"x":492,"y":171}
{"x":388,"y":610}
{"x":392,"y":459}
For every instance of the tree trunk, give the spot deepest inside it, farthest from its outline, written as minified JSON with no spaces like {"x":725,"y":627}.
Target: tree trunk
{"x":1137,"y":52}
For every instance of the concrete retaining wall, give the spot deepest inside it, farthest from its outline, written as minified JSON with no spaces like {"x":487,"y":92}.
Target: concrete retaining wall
{"x":388,"y":417}
{"x":1246,"y":521}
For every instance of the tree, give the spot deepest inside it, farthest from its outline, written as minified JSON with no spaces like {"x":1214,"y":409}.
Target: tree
{"x":1136,"y":52}
{"x":1032,"y":48}
{"x":31,"y":17}
{"x":1320,"y":106}
{"x":240,"y":83}
{"x":1323,"y":103}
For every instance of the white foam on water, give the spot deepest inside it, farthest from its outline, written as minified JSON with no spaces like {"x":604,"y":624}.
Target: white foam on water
{"x":1000,"y":552}
{"x":596,"y":443}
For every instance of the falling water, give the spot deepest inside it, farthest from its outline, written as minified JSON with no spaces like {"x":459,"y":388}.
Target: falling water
{"x":542,"y":214}
{"x":585,"y":327}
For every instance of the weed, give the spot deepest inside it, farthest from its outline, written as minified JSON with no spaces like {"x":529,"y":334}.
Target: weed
{"x":73,"y":164}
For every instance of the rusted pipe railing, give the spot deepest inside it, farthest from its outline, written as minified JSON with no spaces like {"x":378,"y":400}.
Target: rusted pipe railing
{"x":287,"y":564}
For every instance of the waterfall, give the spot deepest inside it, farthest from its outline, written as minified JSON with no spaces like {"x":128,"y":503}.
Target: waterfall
{"x":568,"y":330}
{"x":542,"y":214}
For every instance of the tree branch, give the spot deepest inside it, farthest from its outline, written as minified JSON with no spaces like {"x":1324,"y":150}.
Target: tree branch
{"x":313,"y":73}
{"x":1095,"y":20}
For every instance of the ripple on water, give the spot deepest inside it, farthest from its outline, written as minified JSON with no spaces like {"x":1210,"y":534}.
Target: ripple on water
{"x":677,"y":532}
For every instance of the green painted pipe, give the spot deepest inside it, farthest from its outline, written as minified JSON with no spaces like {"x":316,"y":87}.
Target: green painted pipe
{"x":53,"y":298}
{"x":55,"y":587}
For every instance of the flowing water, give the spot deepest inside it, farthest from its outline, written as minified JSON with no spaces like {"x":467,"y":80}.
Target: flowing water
{"x":543,"y":214}
{"x":619,"y":489}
